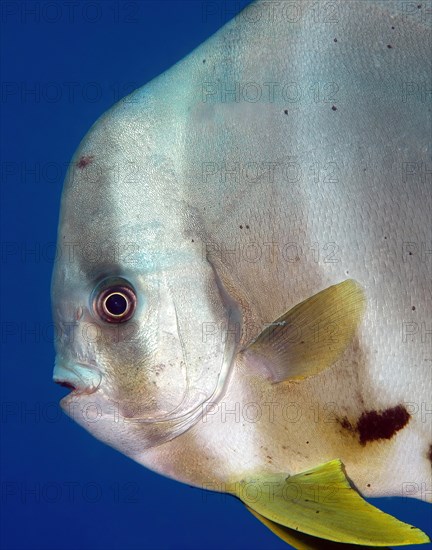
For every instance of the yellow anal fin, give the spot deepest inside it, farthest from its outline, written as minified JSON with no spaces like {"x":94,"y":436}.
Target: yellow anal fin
{"x":322,"y":503}
{"x":311,"y":336}
{"x":301,"y":541}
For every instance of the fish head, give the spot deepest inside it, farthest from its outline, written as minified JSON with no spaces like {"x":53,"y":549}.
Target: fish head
{"x":139,"y":313}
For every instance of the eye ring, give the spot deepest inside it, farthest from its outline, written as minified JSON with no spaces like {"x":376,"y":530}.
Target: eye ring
{"x":115,"y":303}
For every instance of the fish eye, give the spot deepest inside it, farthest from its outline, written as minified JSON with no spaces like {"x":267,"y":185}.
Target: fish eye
{"x":115,"y":303}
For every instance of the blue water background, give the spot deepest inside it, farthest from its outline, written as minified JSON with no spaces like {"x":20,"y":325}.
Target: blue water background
{"x":61,"y":488}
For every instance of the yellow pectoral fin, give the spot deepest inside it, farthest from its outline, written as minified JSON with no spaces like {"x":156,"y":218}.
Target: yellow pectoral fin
{"x":301,"y":541}
{"x":311,"y":336}
{"x":322,"y":503}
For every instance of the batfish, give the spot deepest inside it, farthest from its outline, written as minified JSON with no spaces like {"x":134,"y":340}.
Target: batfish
{"x":242,"y":292}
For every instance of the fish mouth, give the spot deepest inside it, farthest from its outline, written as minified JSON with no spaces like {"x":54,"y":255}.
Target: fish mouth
{"x":65,"y":384}
{"x":81,"y":379}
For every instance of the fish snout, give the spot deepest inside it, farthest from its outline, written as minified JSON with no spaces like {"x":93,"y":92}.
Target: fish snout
{"x":78,"y":377}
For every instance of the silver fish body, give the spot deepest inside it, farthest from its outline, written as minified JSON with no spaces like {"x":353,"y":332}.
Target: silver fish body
{"x":286,"y":154}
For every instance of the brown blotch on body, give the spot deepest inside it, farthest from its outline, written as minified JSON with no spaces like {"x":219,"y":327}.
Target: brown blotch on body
{"x":375,"y":425}
{"x":84,"y":161}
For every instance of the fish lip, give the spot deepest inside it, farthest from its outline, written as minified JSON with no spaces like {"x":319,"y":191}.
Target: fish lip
{"x":81,"y":378}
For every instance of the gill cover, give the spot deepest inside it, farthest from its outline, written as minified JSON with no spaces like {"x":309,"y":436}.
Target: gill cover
{"x":181,"y":354}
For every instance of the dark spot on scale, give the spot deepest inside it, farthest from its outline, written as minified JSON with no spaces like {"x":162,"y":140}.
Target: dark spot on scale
{"x":429,"y":453}
{"x":193,"y":241}
{"x":204,"y":60}
{"x":241,"y":227}
{"x":346,"y":424}
{"x":334,"y":108}
{"x":84,"y":161}
{"x":317,"y":512}
{"x":385,"y":238}
{"x":286,"y":111}
{"x":419,"y":6}
{"x":368,"y":485}
{"x":334,"y":39}
{"x":307,"y":442}
{"x":409,"y":253}
{"x":389,"y":46}
{"x":393,"y":28}
{"x":247,"y":227}
{"x":375,"y":425}
{"x":413,"y":308}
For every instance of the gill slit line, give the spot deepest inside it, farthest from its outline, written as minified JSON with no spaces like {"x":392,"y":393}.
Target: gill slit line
{"x":182,"y":347}
{"x":168,"y":417}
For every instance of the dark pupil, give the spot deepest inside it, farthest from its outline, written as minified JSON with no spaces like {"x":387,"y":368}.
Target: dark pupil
{"x":116,"y":304}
